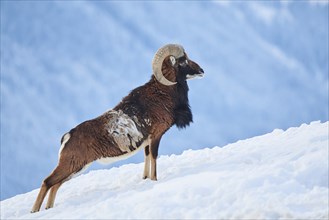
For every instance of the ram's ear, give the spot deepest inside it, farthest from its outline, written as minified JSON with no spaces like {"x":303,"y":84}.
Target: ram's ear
{"x":172,"y":60}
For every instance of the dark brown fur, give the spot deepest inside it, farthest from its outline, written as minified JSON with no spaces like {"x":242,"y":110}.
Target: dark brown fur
{"x":157,"y":107}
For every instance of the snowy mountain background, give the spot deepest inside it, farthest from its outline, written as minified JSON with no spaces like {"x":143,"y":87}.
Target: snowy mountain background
{"x":279,"y":175}
{"x":64,"y":62}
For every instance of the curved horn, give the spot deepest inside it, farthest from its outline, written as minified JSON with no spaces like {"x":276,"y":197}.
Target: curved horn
{"x":169,"y":49}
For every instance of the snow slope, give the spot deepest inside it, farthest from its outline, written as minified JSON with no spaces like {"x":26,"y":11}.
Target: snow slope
{"x":282,"y":174}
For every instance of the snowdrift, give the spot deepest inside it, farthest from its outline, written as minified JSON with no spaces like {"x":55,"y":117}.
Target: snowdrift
{"x":283,"y":174}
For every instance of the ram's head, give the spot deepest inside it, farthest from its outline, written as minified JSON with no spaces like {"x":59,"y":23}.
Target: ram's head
{"x":171,"y":65}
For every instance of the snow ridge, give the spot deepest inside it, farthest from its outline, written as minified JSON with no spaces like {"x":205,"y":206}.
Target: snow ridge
{"x":282,"y":174}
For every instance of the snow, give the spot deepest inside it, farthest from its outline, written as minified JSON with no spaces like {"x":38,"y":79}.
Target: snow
{"x":282,"y":174}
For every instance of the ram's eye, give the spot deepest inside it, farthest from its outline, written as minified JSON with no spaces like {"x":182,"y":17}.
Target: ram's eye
{"x":183,"y":61}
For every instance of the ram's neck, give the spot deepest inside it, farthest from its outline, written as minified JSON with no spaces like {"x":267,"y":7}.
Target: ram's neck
{"x":183,"y":114}
{"x":152,"y":102}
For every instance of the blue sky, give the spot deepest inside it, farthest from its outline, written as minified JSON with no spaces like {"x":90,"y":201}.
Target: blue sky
{"x":265,"y":62}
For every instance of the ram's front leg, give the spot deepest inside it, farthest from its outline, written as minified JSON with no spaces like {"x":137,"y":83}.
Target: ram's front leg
{"x":147,"y":156}
{"x":151,"y":154}
{"x":153,"y":158}
{"x":153,"y":171}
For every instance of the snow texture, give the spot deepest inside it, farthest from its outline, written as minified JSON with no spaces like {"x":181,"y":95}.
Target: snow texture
{"x":282,"y":174}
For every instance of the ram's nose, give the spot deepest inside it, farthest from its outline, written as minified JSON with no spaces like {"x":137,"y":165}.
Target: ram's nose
{"x":201,"y":73}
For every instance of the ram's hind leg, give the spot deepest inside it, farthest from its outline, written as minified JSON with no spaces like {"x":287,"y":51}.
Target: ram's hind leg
{"x":53,"y":180}
{"x":41,"y":196}
{"x":52,"y":195}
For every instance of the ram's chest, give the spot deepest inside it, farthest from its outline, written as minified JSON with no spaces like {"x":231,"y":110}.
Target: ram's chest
{"x":124,"y":130}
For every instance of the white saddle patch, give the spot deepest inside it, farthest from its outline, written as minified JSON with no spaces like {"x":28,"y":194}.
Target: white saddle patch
{"x":123,"y":129}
